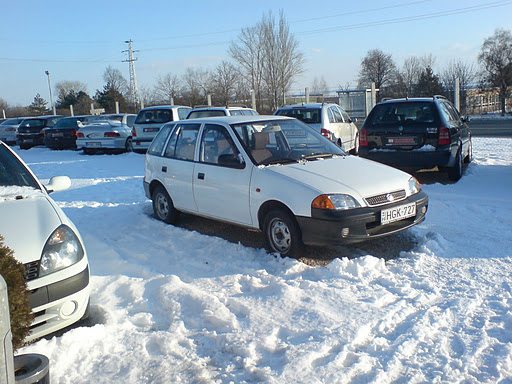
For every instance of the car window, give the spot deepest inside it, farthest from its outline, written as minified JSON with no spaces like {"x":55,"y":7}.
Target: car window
{"x":11,"y":122}
{"x":345,"y":115}
{"x":307,"y":115}
{"x":216,"y":142}
{"x":157,"y":145}
{"x":130,"y":119}
{"x":183,"y":113}
{"x":12,"y":171}
{"x":183,"y":142}
{"x":447,"y":113}
{"x":33,"y":123}
{"x":210,"y":113}
{"x":453,"y":111}
{"x":152,"y":116}
{"x":337,"y":115}
{"x":402,"y":113}
{"x":236,"y":112}
{"x":331,"y":115}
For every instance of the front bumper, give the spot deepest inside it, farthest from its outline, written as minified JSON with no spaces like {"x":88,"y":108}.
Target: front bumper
{"x":411,"y":159}
{"x":58,"y":305}
{"x":327,"y":227}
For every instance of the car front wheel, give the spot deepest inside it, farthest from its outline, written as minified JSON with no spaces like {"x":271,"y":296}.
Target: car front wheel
{"x":163,"y":206}
{"x":282,"y":234}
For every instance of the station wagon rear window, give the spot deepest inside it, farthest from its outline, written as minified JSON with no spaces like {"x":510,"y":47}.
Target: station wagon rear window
{"x":402,"y":113}
{"x":153,"y":116}
{"x":307,"y":115}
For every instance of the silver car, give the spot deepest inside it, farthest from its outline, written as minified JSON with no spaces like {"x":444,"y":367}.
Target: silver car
{"x":105,"y":136}
{"x":8,"y":130}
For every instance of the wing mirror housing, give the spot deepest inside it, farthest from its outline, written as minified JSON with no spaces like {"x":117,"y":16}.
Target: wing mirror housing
{"x":58,"y":183}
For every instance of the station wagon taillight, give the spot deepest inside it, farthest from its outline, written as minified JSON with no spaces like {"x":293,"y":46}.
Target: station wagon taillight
{"x":134,"y":132}
{"x":326,"y":133}
{"x":363,"y":138}
{"x":111,"y":134}
{"x":444,"y":136}
{"x":74,"y":133}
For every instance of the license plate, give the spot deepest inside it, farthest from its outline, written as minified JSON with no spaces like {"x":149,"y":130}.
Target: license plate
{"x":397,"y":213}
{"x":90,"y":144}
{"x":58,"y":134}
{"x":151,"y":129}
{"x":406,"y":140}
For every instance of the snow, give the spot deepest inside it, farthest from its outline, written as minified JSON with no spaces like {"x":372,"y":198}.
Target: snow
{"x":173,"y":305}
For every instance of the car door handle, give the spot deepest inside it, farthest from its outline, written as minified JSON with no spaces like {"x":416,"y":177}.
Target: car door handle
{"x":200,"y":176}
{"x":164,"y":168}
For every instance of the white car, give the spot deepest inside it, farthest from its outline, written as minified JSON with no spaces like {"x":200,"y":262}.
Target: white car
{"x":278,"y":175}
{"x":8,"y":130}
{"x":106,"y":136}
{"x":330,"y":120}
{"x":149,"y":121}
{"x":46,"y":242}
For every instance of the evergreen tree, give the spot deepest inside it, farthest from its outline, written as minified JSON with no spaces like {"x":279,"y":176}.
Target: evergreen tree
{"x":38,"y":106}
{"x":429,"y":84}
{"x":108,"y":97}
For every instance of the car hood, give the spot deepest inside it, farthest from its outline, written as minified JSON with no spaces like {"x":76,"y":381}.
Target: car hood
{"x":31,"y":217}
{"x":348,"y":174}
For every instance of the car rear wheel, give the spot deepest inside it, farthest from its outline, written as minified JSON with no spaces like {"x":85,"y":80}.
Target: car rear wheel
{"x":469,"y":158}
{"x":128,"y":146}
{"x":455,"y":172}
{"x":282,"y":234}
{"x":163,"y":206}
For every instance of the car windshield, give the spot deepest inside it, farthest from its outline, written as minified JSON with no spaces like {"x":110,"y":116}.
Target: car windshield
{"x":13,"y":172}
{"x":152,"y":116}
{"x":402,"y":113}
{"x":284,"y":141}
{"x":307,"y":115}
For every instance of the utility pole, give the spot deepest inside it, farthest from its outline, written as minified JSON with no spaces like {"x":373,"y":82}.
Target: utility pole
{"x":134,"y":91}
{"x":51,"y":97}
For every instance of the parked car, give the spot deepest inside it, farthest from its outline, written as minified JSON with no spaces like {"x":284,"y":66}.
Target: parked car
{"x":125,"y":118}
{"x":46,"y":242}
{"x":106,"y":136}
{"x":220,"y":111}
{"x":30,"y":131}
{"x":329,"y":119}
{"x":63,"y":134}
{"x":149,"y":121}
{"x":417,"y":133}
{"x":278,"y":175}
{"x":8,"y":130}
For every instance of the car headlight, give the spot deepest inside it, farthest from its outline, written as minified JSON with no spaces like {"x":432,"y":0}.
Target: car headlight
{"x":336,"y":202}
{"x":414,"y":186}
{"x":60,"y":251}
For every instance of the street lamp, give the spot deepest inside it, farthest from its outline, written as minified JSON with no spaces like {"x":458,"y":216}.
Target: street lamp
{"x":50,"y":87}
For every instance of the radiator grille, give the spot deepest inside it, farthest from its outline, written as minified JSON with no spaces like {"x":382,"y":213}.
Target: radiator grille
{"x":386,"y":198}
{"x":31,"y":271}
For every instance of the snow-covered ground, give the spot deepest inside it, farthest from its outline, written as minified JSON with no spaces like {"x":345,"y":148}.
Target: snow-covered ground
{"x":171,"y":305}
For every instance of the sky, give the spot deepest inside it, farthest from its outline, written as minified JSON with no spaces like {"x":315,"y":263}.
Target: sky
{"x":76,"y":41}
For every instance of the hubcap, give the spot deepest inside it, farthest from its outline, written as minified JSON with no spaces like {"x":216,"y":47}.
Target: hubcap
{"x":162,"y":206}
{"x":280,"y":235}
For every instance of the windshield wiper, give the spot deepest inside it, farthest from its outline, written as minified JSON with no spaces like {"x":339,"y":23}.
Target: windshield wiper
{"x":317,"y":156}
{"x":286,"y":160}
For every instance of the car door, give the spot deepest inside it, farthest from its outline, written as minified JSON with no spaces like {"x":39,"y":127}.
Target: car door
{"x":351,"y":129}
{"x":222,"y":191}
{"x":462,"y":127}
{"x":177,"y":166}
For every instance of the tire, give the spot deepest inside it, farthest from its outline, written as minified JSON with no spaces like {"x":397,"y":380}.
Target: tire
{"x":455,"y":172}
{"x":89,"y":151}
{"x":128,"y":146}
{"x":282,"y":233}
{"x":469,"y":158}
{"x":355,"y":151}
{"x":162,"y":206}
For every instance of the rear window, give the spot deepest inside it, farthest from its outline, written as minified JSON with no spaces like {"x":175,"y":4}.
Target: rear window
{"x":11,"y":122}
{"x":199,"y":114}
{"x":154,"y":116}
{"x":402,"y":113}
{"x":307,"y":115}
{"x":67,"y":123}
{"x":33,"y":123}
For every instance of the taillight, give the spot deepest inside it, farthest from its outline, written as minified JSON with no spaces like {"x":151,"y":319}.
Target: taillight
{"x":111,"y":134}
{"x":134,"y":132}
{"x":326,"y":133}
{"x":74,"y":133}
{"x":444,"y":136}
{"x":363,"y":138}
{"x":80,"y":134}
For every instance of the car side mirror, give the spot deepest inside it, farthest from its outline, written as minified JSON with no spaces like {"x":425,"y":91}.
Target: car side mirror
{"x":58,"y":183}
{"x":466,"y":119}
{"x":231,"y":161}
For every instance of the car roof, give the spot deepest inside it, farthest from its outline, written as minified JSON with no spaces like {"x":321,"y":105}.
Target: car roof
{"x":308,"y":105}
{"x":43,"y":117}
{"x":235,"y":119}
{"x":218,"y":108}
{"x":413,"y":99}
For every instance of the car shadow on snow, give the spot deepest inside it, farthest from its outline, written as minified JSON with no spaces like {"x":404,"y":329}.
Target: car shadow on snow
{"x":386,"y":248}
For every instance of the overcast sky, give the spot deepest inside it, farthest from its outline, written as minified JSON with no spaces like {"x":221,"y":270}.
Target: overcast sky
{"x":77,"y":40}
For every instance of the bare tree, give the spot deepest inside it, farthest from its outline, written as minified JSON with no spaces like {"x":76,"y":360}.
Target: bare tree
{"x":167,"y":87}
{"x":64,"y":88}
{"x":466,"y":74}
{"x":409,"y":75}
{"x":319,"y":86}
{"x":377,"y":67}
{"x":115,"y":80}
{"x":247,"y":51}
{"x":225,"y":81}
{"x":282,"y":60}
{"x":197,"y":84}
{"x":496,"y":60}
